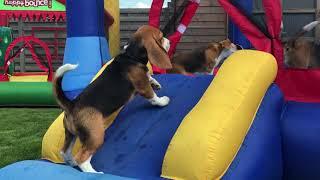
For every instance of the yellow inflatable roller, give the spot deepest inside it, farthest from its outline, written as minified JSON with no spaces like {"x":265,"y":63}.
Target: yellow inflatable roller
{"x":210,"y":136}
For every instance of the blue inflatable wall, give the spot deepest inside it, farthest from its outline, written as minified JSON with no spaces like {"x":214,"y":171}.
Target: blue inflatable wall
{"x":86,"y":44}
{"x":301,"y":141}
{"x":260,"y":156}
{"x":235,"y":35}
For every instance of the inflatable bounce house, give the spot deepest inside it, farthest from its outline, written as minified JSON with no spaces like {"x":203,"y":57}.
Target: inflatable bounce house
{"x":249,"y":121}
{"x":27,"y":88}
{"x":35,"y":88}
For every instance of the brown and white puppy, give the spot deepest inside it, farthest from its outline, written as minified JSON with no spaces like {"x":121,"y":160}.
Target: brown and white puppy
{"x":302,"y":53}
{"x":200,"y":60}
{"x":126,"y":75}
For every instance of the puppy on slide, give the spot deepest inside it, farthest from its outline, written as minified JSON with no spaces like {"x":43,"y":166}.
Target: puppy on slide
{"x":302,"y":53}
{"x":119,"y":82}
{"x":202,"y":59}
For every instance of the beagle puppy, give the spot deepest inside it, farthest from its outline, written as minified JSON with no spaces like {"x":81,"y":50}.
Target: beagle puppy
{"x":301,"y":53}
{"x":201,"y":60}
{"x":119,"y":82}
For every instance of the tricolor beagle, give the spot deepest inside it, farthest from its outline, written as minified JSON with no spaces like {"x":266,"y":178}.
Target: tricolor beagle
{"x":202,"y":59}
{"x":120,"y":81}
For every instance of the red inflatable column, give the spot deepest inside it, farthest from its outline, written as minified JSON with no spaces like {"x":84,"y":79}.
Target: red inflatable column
{"x":184,"y":23}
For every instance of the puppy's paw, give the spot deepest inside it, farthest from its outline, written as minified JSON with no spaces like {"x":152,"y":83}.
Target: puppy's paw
{"x":96,"y":172}
{"x":87,"y":167}
{"x":160,"y":101}
{"x":92,"y":171}
{"x":68,"y":159}
{"x":155,"y":85}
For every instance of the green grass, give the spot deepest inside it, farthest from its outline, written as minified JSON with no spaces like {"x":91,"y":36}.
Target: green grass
{"x":21,"y":132}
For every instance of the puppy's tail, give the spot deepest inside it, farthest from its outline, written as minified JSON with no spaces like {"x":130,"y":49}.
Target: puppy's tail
{"x":307,"y":28}
{"x":62,"y":100}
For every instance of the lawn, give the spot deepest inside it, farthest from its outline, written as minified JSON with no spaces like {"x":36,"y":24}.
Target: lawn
{"x":21,"y":132}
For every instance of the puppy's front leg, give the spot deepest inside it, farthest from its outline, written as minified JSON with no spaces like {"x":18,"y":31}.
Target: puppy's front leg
{"x":142,"y":85}
{"x":154,"y":83}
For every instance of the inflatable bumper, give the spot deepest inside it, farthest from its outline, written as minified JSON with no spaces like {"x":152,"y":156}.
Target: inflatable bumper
{"x":226,"y":127}
{"x":49,"y":171}
{"x":26,"y":94}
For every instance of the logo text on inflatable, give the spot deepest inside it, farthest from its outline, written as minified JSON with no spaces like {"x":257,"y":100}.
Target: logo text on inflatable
{"x":28,"y":3}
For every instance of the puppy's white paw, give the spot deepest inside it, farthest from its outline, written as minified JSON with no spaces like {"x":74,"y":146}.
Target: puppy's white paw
{"x":68,"y":159}
{"x":160,"y":101}
{"x":87,"y":167}
{"x":94,"y":171}
{"x":91,"y":171}
{"x":156,"y":85}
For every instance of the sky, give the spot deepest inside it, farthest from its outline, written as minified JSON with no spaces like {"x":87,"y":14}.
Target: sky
{"x":138,"y":3}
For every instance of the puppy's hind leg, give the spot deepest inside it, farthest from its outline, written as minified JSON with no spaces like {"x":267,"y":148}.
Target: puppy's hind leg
{"x":142,"y":85}
{"x":66,"y":151}
{"x":91,"y":137}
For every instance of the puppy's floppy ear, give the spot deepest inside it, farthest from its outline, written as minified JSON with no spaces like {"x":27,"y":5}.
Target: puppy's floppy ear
{"x":226,"y":43}
{"x":156,"y":53}
{"x":214,"y":46}
{"x":291,"y":43}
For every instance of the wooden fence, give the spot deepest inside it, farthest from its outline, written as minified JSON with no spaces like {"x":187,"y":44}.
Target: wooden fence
{"x":209,"y":24}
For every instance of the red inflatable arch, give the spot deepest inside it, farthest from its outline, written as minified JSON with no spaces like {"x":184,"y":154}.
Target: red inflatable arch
{"x":28,"y":42}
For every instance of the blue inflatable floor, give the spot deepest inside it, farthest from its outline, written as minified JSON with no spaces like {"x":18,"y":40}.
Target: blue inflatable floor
{"x":136,"y":142}
{"x":41,"y":170}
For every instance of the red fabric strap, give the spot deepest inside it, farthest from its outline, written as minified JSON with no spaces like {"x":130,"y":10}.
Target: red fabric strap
{"x":155,"y":13}
{"x":254,"y":35}
{"x":154,"y":20}
{"x":185,"y":21}
{"x":189,"y":13}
